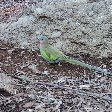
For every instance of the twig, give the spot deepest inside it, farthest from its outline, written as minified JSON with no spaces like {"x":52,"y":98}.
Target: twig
{"x":81,"y":92}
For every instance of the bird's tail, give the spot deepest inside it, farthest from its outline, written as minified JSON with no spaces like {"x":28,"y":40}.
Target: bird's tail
{"x":73,"y":61}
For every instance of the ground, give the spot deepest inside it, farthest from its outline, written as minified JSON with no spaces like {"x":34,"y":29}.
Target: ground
{"x":79,"y":28}
{"x":31,"y":84}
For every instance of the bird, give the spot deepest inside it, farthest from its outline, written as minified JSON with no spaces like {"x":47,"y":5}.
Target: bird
{"x":53,"y":55}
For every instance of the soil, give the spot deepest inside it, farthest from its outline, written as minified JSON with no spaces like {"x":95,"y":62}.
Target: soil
{"x":32,"y":80}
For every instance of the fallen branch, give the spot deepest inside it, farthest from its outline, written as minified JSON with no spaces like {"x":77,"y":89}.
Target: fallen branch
{"x":81,"y":92}
{"x":77,"y":91}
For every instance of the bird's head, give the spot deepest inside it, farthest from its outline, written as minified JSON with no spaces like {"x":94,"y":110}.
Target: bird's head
{"x":43,"y":40}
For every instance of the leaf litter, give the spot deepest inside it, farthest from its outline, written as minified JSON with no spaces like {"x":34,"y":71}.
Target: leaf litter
{"x":36,"y":85}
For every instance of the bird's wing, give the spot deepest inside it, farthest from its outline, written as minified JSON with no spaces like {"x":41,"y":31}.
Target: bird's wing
{"x":50,"y":53}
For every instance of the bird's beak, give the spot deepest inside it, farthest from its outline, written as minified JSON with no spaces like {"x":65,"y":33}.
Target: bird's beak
{"x":38,"y":42}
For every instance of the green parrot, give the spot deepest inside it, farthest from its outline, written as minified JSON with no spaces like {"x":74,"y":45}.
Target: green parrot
{"x":53,"y":55}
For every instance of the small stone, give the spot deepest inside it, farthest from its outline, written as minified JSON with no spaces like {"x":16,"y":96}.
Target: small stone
{"x":80,"y":1}
{"x":87,"y":87}
{"x":45,"y":72}
{"x":56,"y":34}
{"x":38,"y":11}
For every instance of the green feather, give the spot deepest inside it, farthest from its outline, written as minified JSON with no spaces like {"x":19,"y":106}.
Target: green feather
{"x":51,"y":54}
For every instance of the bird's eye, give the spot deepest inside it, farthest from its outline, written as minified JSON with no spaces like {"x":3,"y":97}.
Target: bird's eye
{"x":41,"y":39}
